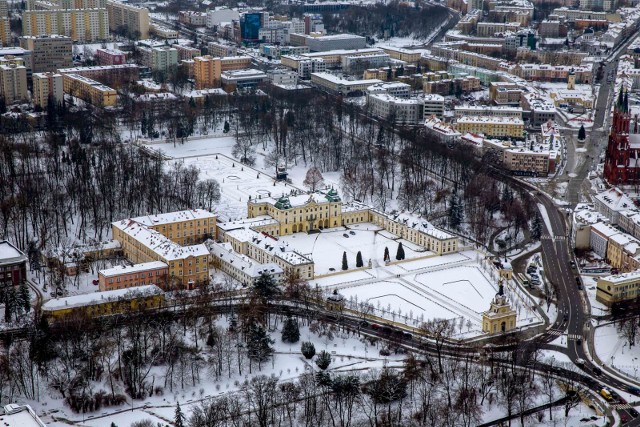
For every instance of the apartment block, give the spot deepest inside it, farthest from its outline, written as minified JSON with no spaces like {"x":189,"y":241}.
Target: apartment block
{"x":397,"y":110}
{"x":5,"y":31}
{"x":334,"y":42}
{"x":207,"y":71}
{"x":159,"y":58}
{"x":189,"y":17}
{"x":89,"y":90}
{"x":502,"y":127}
{"x":406,"y":55}
{"x":133,"y":19}
{"x":13,"y":83}
{"x":47,"y":87}
{"x":49,"y":52}
{"x":107,"y":74}
{"x":186,"y":52}
{"x":231,"y":63}
{"x":221,"y":15}
{"x":129,"y":276}
{"x":110,"y":57}
{"x":82,"y":25}
{"x":221,"y":50}
{"x":241,"y":79}
{"x":340,"y":86}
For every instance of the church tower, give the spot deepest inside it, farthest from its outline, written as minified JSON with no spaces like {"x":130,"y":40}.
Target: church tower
{"x":620,"y":160}
{"x":571,"y":79}
{"x":500,"y":317}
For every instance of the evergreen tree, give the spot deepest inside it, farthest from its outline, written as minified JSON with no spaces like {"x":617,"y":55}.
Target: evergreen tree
{"x":24,"y":298}
{"x":345,"y":265}
{"x":536,"y":227}
{"x":265,"y":288}
{"x":113,"y":424}
{"x":387,"y":258}
{"x":359,"y":262}
{"x":455,"y":212}
{"x":323,"y":360}
{"x":400,"y":252}
{"x":9,"y":298}
{"x":290,"y":331}
{"x":582,"y":134}
{"x":308,"y":349}
{"x":258,"y":343}
{"x":227,"y":128}
{"x":179,"y":418}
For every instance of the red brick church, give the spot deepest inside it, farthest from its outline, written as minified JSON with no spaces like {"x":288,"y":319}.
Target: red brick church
{"x":622,"y":159}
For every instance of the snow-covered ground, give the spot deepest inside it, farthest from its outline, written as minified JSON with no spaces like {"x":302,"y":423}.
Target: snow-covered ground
{"x":613,"y":350}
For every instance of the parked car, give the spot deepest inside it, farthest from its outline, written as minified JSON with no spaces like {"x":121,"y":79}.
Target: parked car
{"x":353,"y":233}
{"x":345,"y":235}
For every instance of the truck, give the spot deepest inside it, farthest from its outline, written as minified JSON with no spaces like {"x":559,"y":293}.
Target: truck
{"x":606,"y":394}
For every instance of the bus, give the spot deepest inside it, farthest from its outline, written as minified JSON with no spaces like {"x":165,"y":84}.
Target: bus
{"x":523,"y":279}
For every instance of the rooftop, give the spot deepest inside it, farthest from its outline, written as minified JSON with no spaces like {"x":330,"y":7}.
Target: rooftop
{"x":9,"y":254}
{"x":225,"y":252}
{"x":102,"y":297}
{"x":171,"y":217}
{"x":19,"y":416}
{"x":136,"y":268}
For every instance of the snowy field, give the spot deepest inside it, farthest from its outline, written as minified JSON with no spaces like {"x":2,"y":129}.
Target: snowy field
{"x":237,"y":183}
{"x":458,"y":287}
{"x":613,"y":350}
{"x":326,"y":248}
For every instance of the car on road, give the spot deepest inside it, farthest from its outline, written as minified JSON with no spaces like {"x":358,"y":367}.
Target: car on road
{"x":633,"y":413}
{"x":624,"y":418}
{"x":580,"y":362}
{"x":633,"y":390}
{"x":596,"y":371}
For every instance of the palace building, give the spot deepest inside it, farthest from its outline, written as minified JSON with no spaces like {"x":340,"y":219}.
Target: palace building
{"x":500,"y":317}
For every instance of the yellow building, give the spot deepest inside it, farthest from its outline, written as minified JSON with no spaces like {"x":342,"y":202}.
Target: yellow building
{"x":406,"y":55}
{"x":621,"y":287}
{"x":105,"y":303}
{"x":82,"y":25}
{"x":308,"y":212}
{"x":231,"y":63}
{"x":91,"y":91}
{"x":206,"y":71}
{"x":623,"y":252}
{"x":170,"y":238}
{"x":500,"y":317}
{"x":501,"y":127}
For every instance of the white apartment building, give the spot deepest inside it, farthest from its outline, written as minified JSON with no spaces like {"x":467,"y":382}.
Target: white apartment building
{"x":484,"y":110}
{"x":46,"y":87}
{"x":221,"y":15}
{"x":433,"y":105}
{"x":397,"y":89}
{"x":399,"y":110}
{"x":281,"y":77}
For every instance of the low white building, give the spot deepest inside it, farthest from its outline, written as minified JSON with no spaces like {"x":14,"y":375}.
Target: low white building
{"x":14,"y":415}
{"x":399,"y":110}
{"x":611,"y":202}
{"x":397,"y":89}
{"x":441,"y":130}
{"x":433,"y":105}
{"x":282,"y":77}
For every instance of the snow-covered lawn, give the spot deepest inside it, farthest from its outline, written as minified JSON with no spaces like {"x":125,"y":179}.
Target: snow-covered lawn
{"x":458,"y":287}
{"x":613,"y":350}
{"x":326,"y":248}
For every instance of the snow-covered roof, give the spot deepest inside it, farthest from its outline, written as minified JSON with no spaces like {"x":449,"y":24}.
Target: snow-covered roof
{"x":624,"y":277}
{"x":605,"y":229}
{"x":135,"y":268}
{"x":171,"y":217}
{"x":159,"y":244}
{"x":586,"y":214}
{"x":615,"y":199}
{"x":101,"y":297}
{"x":257,"y":221}
{"x":225,"y":252}
{"x":13,"y":415}
{"x":9,"y":254}
{"x":270,"y":244}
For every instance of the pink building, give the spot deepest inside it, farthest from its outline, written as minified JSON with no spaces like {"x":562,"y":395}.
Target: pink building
{"x":110,"y":57}
{"x":121,"y":277}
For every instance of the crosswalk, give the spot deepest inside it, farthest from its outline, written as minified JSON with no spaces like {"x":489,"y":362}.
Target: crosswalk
{"x":556,"y":238}
{"x":555,"y":332}
{"x":575,"y":337}
{"x":621,"y":406}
